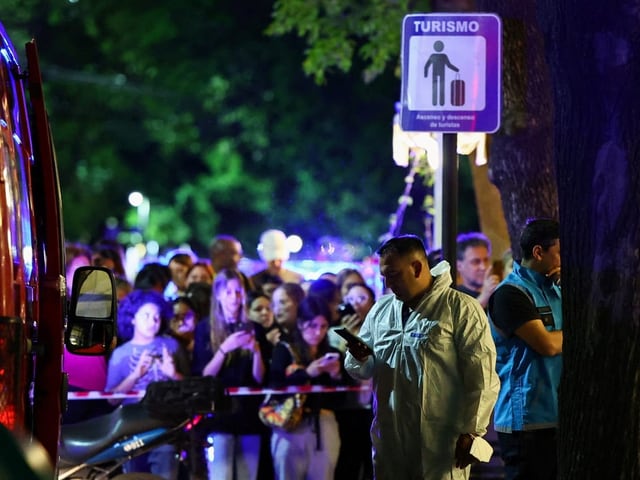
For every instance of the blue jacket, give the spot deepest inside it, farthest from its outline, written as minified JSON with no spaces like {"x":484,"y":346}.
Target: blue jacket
{"x":528,"y":398}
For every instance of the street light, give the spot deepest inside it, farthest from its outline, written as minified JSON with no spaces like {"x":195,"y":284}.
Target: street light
{"x":135,"y":199}
{"x":143,"y":207}
{"x":294,"y":243}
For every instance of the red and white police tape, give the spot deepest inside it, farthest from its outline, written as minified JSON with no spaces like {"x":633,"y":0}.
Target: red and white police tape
{"x":232,"y":391}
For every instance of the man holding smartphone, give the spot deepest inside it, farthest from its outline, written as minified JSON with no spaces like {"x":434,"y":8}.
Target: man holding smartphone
{"x":429,"y":351}
{"x":526,"y":316}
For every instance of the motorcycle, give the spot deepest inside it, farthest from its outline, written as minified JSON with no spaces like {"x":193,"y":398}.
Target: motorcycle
{"x":96,"y":449}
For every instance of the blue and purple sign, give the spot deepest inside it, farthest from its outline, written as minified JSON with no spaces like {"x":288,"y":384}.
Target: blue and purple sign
{"x":451,"y":65}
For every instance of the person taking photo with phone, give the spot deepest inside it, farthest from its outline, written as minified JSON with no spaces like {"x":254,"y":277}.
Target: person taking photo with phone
{"x":226,"y":347}
{"x":147,"y":356}
{"x":354,"y":419}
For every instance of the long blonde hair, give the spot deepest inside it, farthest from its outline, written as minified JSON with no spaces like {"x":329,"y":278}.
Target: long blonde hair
{"x":217,"y":321}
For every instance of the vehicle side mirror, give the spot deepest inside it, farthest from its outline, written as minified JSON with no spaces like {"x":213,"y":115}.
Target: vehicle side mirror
{"x":91,"y":322}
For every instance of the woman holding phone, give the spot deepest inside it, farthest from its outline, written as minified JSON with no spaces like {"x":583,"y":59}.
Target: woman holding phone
{"x":356,"y":416}
{"x":226,"y":348}
{"x":311,"y":450}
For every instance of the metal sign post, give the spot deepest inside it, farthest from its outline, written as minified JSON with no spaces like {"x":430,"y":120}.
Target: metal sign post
{"x":451,"y":66}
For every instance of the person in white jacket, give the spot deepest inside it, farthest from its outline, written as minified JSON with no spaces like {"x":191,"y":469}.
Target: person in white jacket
{"x":432,"y":361}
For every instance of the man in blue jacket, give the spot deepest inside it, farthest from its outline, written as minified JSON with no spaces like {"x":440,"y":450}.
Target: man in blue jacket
{"x":526,"y":317}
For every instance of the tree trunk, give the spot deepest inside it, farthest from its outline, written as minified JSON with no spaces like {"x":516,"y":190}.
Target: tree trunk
{"x":593,"y":52}
{"x":520,"y":164}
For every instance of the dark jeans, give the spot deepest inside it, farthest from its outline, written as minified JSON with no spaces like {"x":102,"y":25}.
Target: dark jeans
{"x":354,"y":461}
{"x":529,"y":455}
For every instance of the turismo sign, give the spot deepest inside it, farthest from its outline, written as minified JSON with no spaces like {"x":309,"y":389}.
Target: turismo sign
{"x":451,"y":72}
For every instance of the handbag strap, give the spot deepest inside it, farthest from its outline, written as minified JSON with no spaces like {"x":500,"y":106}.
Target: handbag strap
{"x":292,"y":351}
{"x":296,"y":359}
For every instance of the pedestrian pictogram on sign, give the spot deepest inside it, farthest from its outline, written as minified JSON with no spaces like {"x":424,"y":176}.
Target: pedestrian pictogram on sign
{"x":437,"y":62}
{"x":451,"y":73}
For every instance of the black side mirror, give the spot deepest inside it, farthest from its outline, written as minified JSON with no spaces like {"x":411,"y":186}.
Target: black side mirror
{"x":91,"y":322}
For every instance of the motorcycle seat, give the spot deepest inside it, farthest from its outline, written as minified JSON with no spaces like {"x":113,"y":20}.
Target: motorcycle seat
{"x":81,"y":441}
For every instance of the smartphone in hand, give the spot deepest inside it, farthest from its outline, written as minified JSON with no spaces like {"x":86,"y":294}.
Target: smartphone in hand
{"x":357,"y":346}
{"x":245,"y":327}
{"x":346,"y":309}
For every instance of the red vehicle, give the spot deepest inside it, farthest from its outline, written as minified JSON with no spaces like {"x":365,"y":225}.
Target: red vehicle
{"x":33,"y":305}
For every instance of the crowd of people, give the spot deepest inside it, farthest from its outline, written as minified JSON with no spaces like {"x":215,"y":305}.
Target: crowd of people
{"x":433,"y":366}
{"x":197,"y":316}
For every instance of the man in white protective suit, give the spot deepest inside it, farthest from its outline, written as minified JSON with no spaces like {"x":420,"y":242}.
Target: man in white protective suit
{"x":432,"y":360}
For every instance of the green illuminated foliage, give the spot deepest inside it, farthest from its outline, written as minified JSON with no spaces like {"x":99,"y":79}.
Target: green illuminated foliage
{"x":212,"y":120}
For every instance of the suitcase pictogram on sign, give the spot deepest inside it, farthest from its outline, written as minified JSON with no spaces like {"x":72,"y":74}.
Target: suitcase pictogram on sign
{"x":457,"y":91}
